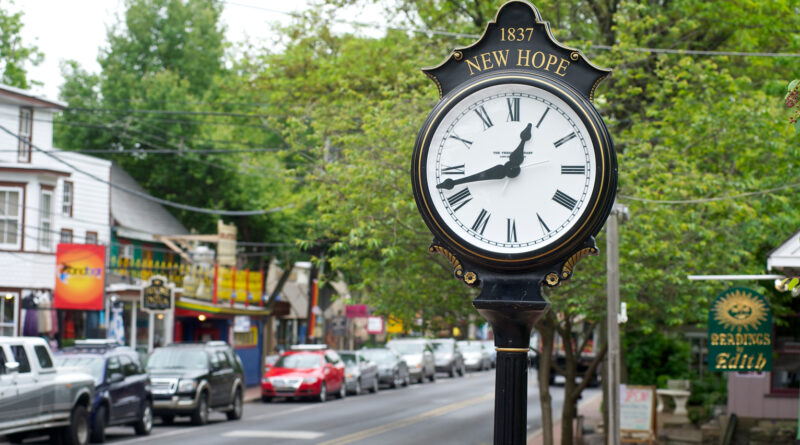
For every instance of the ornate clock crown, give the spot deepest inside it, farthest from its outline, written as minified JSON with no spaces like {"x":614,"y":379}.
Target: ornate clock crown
{"x":519,"y":41}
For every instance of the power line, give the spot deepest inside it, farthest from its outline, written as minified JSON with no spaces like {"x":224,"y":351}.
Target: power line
{"x":150,"y":197}
{"x":707,"y":200}
{"x":167,"y":112}
{"x":430,"y":32}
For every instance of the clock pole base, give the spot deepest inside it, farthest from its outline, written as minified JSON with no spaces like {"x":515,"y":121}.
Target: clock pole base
{"x":512,"y":322}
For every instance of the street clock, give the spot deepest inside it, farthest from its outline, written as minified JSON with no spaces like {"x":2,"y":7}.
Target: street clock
{"x":514,"y":169}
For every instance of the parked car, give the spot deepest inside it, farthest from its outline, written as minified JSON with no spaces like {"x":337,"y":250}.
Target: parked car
{"x":392,"y":369}
{"x":192,"y":379}
{"x":418,"y":354}
{"x":312,"y":371}
{"x":36,"y":398}
{"x":476,"y":356}
{"x":447,"y":356}
{"x":489,"y":345}
{"x":121,"y":386}
{"x":360,"y":372}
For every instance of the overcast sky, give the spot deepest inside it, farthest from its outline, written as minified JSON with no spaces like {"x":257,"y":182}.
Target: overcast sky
{"x":75,"y":29}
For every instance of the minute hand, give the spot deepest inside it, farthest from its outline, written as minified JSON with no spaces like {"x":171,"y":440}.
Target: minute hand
{"x":496,"y":172}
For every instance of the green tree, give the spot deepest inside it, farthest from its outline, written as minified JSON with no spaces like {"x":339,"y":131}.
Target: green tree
{"x":15,"y":55}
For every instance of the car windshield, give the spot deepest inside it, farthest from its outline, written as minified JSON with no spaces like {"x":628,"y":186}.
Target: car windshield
{"x":379,"y":355}
{"x":93,"y":365}
{"x":407,"y":348}
{"x":177,"y":358}
{"x":349,"y":358}
{"x":299,"y":361}
{"x":444,"y":346}
{"x":471,"y":347}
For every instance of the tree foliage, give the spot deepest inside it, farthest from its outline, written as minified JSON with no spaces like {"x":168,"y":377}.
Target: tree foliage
{"x":15,"y":55}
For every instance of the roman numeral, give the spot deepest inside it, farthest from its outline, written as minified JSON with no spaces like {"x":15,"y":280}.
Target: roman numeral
{"x":480,"y":223}
{"x":544,"y":227}
{"x":511,"y":230}
{"x":513,"y":108}
{"x":542,"y":118}
{"x":466,"y":142}
{"x":457,"y":170}
{"x":462,"y":197}
{"x":484,"y":117}
{"x":573,"y":169}
{"x":564,"y":199}
{"x":564,"y":140}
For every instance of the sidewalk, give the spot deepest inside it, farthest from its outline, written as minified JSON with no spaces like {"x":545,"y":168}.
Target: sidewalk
{"x":252,"y":394}
{"x":589,"y":409}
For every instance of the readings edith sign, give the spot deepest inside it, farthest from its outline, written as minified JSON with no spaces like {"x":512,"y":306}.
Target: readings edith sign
{"x":740,"y":332}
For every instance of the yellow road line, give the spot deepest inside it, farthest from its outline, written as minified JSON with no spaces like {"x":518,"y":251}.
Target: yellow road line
{"x":361,"y":435}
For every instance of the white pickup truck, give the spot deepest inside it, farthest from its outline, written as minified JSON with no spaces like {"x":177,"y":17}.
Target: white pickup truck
{"x":37,"y":399}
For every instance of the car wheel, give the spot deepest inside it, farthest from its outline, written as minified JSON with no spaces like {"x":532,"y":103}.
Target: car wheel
{"x":98,"y":430}
{"x":77,"y":432}
{"x":375,"y":386}
{"x":452,"y":372}
{"x":343,"y":390}
{"x":396,"y":381}
{"x":168,"y":419}
{"x":145,"y":423}
{"x":432,"y":378}
{"x":266,"y":399}
{"x":200,"y":414}
{"x":323,"y":393}
{"x":358,"y":388}
{"x":421,"y":378}
{"x":236,"y":412}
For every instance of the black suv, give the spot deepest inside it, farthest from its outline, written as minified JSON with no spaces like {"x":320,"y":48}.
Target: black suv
{"x":122,"y":388}
{"x":192,"y":379}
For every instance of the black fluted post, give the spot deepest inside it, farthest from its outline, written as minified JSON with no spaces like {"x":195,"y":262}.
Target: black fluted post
{"x":511,"y":322}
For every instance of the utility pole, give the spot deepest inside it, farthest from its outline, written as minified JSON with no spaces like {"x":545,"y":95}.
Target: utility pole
{"x":618,"y":213}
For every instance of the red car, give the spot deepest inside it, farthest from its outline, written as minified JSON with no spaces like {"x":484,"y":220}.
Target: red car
{"x":307,"y":371}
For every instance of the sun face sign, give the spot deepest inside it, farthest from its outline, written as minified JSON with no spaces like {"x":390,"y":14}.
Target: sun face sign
{"x":739,"y":311}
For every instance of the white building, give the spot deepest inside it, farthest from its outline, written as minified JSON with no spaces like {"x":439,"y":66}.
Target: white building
{"x":46,"y":197}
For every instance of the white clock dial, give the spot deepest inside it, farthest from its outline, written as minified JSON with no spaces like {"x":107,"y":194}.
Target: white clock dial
{"x":510,"y":168}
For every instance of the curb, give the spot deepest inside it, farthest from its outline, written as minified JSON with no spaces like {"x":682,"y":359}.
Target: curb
{"x":557,"y":420}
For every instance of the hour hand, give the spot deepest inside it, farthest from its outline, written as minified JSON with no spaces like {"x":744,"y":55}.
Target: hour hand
{"x":518,"y":155}
{"x":496,"y":172}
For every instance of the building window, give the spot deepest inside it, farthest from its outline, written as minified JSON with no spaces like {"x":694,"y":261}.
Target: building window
{"x":46,"y":220}
{"x":66,"y":236}
{"x":8,"y":319}
{"x":91,"y":237}
{"x":126,"y":251}
{"x":66,"y":202}
{"x":10,"y":217}
{"x":25,"y":134}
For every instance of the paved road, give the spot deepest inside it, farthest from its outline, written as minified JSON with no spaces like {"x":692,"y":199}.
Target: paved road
{"x":449,"y":411}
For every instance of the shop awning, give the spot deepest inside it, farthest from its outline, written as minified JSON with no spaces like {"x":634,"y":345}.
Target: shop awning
{"x":222,"y":309}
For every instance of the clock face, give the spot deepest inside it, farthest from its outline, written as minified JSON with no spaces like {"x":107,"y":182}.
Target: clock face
{"x":510,"y":169}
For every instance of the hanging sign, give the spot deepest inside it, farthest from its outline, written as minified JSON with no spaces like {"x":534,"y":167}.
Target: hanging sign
{"x":375,"y":325}
{"x":740,"y":332}
{"x":80,"y":277}
{"x":156,"y":295}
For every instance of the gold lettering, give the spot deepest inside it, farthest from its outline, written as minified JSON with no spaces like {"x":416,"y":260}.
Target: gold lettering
{"x":500,"y":58}
{"x":761,"y":362}
{"x":551,"y":60}
{"x":730,"y":340}
{"x":475,"y":65}
{"x":767,"y":339}
{"x":487,"y":61}
{"x":714,"y":339}
{"x":722,"y":360}
{"x":750,"y":363}
{"x":535,"y":55}
{"x":562,"y":67}
{"x":520,"y":57}
{"x":739,"y":339}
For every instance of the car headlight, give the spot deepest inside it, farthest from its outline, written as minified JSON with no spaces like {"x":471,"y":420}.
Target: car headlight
{"x":187,"y":385}
{"x":265,"y":380}
{"x":310,"y":380}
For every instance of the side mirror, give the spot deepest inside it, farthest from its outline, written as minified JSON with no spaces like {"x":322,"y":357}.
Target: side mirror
{"x":116,"y":377}
{"x":12,"y":368}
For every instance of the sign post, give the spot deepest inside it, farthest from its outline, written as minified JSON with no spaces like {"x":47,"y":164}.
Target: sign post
{"x":514,"y":173}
